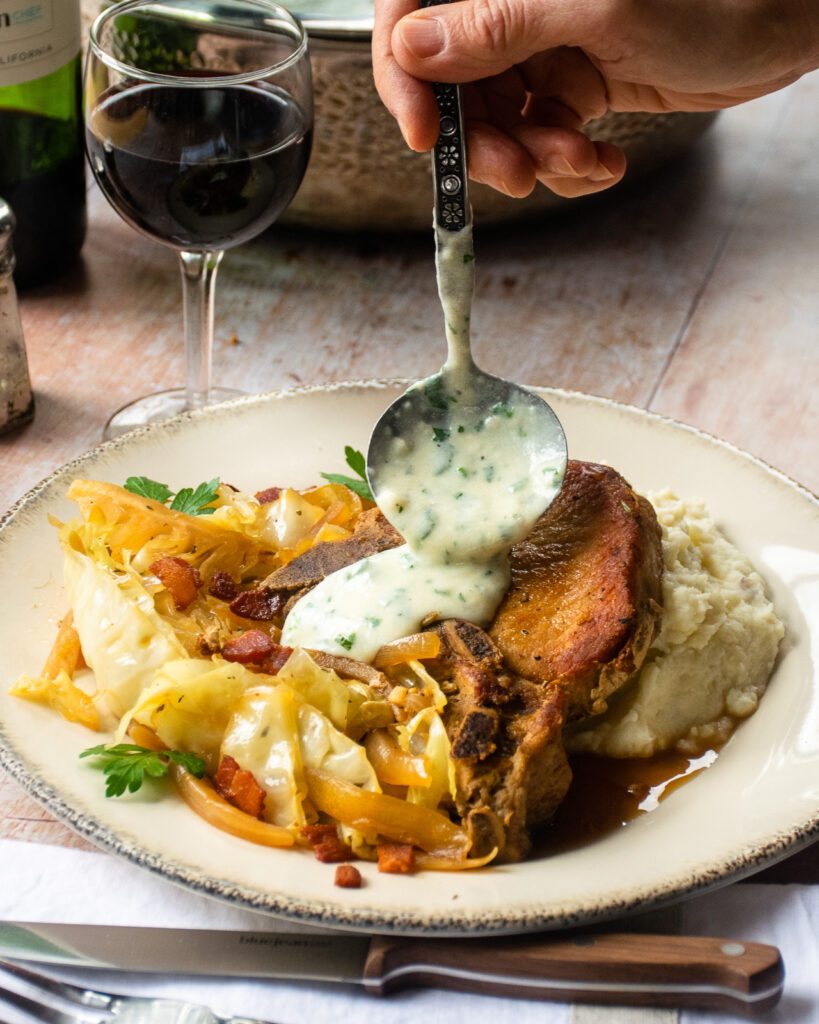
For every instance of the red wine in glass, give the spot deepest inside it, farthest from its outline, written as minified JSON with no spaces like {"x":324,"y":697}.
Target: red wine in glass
{"x":198,"y":118}
{"x":199,"y":168}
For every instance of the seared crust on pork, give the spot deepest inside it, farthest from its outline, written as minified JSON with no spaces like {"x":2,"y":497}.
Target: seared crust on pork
{"x":506,"y":735}
{"x":586,"y":593}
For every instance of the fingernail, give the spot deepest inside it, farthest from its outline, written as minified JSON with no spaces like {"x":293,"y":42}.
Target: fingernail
{"x":560,"y":166}
{"x":423,"y":37}
{"x":601,"y":173}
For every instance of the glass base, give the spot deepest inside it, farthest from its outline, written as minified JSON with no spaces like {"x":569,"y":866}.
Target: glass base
{"x":157,"y":407}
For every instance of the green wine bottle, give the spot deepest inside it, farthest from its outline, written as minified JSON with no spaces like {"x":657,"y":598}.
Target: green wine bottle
{"x":41,"y":134}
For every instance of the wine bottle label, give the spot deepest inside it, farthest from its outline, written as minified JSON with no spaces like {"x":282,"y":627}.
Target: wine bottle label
{"x":37,"y":39}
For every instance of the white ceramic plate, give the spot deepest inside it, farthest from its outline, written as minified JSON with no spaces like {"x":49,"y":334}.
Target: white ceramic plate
{"x":757,"y":803}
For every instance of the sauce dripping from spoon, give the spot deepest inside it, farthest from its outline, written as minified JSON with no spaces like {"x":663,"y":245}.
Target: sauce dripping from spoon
{"x":462,"y":464}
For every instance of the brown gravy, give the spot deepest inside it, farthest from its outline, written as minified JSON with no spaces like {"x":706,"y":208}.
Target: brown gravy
{"x":607,"y":793}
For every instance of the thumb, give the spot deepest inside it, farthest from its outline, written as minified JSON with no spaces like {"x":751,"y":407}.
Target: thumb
{"x":472,"y":39}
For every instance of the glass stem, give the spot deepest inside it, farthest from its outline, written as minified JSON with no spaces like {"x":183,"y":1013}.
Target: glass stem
{"x":198,"y":286}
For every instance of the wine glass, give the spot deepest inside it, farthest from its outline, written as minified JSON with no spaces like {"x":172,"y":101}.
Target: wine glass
{"x":198,"y":118}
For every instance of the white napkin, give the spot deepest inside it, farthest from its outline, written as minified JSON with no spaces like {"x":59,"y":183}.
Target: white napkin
{"x":53,"y":884}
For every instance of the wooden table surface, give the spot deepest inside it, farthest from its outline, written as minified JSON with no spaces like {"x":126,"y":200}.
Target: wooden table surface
{"x":693,"y":294}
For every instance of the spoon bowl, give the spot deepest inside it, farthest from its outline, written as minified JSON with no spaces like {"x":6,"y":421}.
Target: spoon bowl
{"x":465,"y":462}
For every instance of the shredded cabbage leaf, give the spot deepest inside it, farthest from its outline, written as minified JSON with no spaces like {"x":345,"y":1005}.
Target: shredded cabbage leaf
{"x":140,"y":530}
{"x":349,"y":705}
{"x":190,"y":704}
{"x":123,"y":638}
{"x":262,"y":736}
{"x":145,"y":652}
{"x":274,"y":734}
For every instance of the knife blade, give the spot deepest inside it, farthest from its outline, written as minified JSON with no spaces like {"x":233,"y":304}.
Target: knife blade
{"x":614,"y":968}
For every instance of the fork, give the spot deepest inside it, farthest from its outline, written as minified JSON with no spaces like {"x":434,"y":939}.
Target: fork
{"x":50,"y":1001}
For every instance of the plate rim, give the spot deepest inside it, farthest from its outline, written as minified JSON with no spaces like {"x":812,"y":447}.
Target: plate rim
{"x":319,"y":912}
{"x":374,"y":383}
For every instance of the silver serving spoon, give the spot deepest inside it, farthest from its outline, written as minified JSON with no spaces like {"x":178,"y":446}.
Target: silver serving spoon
{"x":428,"y":439}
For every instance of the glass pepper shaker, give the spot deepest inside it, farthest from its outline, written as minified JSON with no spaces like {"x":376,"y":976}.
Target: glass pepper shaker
{"x":16,"y":399}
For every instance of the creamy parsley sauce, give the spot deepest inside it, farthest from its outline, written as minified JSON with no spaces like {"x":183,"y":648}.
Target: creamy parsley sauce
{"x":461,"y":495}
{"x":356,"y":610}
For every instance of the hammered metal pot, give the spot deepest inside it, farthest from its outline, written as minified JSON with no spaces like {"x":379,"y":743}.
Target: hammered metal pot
{"x":363,"y":176}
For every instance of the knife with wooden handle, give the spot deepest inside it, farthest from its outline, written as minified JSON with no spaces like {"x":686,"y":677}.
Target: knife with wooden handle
{"x":626,"y":969}
{"x":649,"y":970}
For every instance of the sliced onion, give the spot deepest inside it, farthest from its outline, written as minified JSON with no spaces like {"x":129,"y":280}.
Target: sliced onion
{"x":392,"y":765}
{"x":418,"y":647}
{"x":429,"y":862}
{"x":202,"y":798}
{"x":145,"y":737}
{"x":378,"y":814}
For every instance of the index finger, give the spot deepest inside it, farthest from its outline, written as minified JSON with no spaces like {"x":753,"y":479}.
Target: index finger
{"x":410,"y":101}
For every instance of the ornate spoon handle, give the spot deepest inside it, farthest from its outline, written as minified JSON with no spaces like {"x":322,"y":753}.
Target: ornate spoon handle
{"x":452,"y":209}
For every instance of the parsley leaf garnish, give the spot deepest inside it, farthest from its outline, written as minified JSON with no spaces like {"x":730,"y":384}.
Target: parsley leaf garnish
{"x":346,"y":641}
{"x":358,"y":464}
{"x":196,"y":502}
{"x":125,"y":765}
{"x":356,"y":461}
{"x":191,"y":501}
{"x":147,"y":488}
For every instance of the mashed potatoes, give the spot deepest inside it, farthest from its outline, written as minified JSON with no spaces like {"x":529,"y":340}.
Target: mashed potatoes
{"x":712,"y":659}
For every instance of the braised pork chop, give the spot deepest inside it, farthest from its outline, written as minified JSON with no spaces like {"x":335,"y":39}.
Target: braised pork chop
{"x":585,"y":599}
{"x":506,"y":735}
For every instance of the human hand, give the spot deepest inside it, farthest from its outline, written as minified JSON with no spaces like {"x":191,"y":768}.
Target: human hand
{"x":541,"y":69}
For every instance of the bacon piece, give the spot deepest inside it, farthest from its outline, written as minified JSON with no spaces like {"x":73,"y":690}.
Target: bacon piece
{"x":332,"y":852}
{"x":259,"y":604}
{"x":239,"y":787}
{"x":248,"y":795}
{"x":319,"y":833}
{"x":252,"y":647}
{"x":276,"y":660}
{"x":267,"y":495}
{"x":348,"y":877}
{"x":223,"y":586}
{"x":179,"y":578}
{"x":327,"y":844}
{"x":396,"y":858}
{"x":225,"y":773}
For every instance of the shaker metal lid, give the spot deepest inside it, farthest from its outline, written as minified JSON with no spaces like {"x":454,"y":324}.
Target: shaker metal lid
{"x":334,"y":19}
